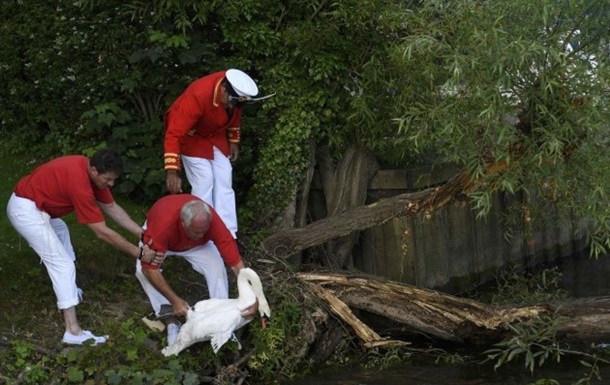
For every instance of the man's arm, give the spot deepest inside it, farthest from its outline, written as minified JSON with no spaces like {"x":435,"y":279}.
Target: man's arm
{"x":115,"y":239}
{"x":120,"y":216}
{"x":155,"y":277}
{"x":178,"y":121}
{"x":173,"y":182}
{"x":237,"y":268}
{"x":227,"y":247}
{"x":233,"y":151}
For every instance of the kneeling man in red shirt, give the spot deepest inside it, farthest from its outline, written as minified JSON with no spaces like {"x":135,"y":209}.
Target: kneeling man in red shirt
{"x":185,"y":226}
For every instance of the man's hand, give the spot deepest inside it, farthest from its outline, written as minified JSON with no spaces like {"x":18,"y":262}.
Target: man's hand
{"x":233,"y":151}
{"x":180,"y":307}
{"x":150,"y":256}
{"x":250,"y":311}
{"x":173,"y":182}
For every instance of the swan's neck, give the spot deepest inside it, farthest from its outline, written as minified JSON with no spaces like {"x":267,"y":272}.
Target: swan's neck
{"x":246,"y":293}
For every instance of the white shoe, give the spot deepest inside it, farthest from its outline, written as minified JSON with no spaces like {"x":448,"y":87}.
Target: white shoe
{"x":85,"y":338}
{"x":172,"y":333}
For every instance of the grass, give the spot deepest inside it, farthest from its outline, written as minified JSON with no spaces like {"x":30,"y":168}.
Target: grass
{"x":31,"y":326}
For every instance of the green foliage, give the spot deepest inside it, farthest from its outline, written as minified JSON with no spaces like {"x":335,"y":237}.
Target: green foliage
{"x":307,"y":53}
{"x":24,"y":360}
{"x":110,"y":361}
{"x":594,"y":372}
{"x":96,"y":77}
{"x":283,"y":163}
{"x":139,"y":143}
{"x":498,"y":83}
{"x":56,"y":66}
{"x":173,"y":375}
{"x":437,"y":81}
{"x":279,"y":346}
{"x":517,"y":287}
{"x":534,"y":341}
{"x":384,"y":359}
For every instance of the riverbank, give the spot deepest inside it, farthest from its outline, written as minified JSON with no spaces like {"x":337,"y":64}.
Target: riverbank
{"x":31,"y":327}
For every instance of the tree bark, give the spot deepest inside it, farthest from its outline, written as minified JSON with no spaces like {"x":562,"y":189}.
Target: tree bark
{"x":446,"y":317}
{"x":285,"y":243}
{"x":303,"y":195}
{"x":344,"y":187}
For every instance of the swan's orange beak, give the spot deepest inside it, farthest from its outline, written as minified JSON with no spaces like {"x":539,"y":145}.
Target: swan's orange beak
{"x":264,"y":322}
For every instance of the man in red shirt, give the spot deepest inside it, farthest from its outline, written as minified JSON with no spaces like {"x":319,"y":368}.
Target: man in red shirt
{"x":55,"y":189}
{"x":184,"y":225}
{"x":202,"y":134}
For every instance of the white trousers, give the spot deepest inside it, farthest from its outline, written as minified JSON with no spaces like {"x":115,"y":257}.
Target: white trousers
{"x":50,"y":239}
{"x":205,"y":260}
{"x":212,"y":181}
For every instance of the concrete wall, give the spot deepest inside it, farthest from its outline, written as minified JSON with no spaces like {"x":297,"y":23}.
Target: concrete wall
{"x":450,"y":250}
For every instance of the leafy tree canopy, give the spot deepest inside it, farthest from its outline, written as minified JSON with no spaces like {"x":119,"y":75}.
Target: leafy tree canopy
{"x":519,"y":84}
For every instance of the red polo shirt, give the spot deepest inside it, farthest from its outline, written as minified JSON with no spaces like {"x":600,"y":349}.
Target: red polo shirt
{"x":63,"y":185}
{"x":197,"y":121}
{"x":164,"y":227}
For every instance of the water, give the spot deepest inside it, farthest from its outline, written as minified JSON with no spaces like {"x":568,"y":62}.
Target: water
{"x":582,"y":277}
{"x":454,"y":375}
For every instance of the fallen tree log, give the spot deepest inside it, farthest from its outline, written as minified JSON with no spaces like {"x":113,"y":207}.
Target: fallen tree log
{"x":443,"y":316}
{"x":587,"y":318}
{"x":285,"y":243}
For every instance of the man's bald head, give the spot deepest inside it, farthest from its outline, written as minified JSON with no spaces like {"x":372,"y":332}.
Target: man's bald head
{"x":196,"y":216}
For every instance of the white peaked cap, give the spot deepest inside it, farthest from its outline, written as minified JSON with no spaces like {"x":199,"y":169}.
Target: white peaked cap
{"x":242,"y":83}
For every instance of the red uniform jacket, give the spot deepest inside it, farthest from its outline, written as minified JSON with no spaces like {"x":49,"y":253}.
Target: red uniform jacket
{"x":197,"y":121}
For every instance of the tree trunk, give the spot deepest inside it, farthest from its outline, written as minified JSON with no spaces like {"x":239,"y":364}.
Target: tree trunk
{"x":445,"y":317}
{"x":303,"y":194}
{"x":345,"y":187}
{"x":285,"y":243}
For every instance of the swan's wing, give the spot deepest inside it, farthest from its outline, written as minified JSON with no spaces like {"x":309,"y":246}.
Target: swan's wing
{"x":198,"y":327}
{"x":220,"y":339}
{"x":225,"y":322}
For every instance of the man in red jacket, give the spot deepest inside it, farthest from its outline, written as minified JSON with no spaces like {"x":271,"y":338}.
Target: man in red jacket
{"x":202,"y":135}
{"x":55,"y":189}
{"x":184,"y":225}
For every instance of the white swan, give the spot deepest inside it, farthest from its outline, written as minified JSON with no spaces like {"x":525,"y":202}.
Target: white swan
{"x":216,"y":319}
